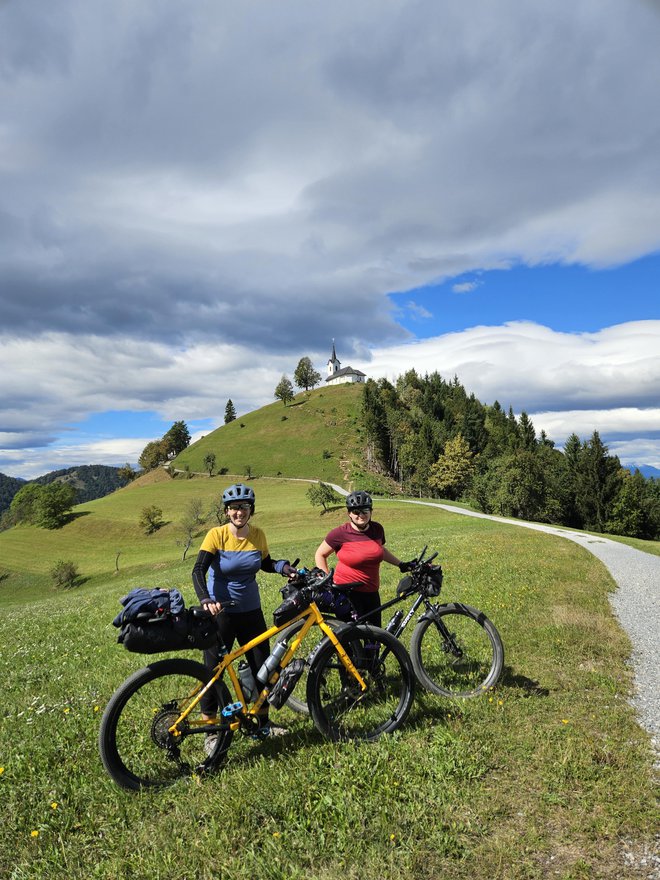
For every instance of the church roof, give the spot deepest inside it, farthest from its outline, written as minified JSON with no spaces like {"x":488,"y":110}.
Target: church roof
{"x":345,"y":371}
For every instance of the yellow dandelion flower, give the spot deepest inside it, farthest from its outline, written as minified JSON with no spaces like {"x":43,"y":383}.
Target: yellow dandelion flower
{"x":500,"y":702}
{"x":392,"y":837}
{"x":67,"y":710}
{"x":97,"y":708}
{"x":490,"y":699}
{"x":34,"y":834}
{"x":277,"y":833}
{"x":564,"y":720}
{"x":54,"y":805}
{"x":2,"y":770}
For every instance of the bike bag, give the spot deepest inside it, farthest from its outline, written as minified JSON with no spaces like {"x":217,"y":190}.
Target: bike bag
{"x":285,"y":684}
{"x":191,"y":629}
{"x":295,"y":601}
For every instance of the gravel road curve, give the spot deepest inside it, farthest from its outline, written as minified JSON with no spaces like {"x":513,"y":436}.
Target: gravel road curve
{"x":636,"y":603}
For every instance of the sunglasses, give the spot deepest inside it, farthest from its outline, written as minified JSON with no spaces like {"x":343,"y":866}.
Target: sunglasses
{"x":239,"y":507}
{"x":360,"y":511}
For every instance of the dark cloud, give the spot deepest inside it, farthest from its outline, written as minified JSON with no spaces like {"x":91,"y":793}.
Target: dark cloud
{"x":190,"y":175}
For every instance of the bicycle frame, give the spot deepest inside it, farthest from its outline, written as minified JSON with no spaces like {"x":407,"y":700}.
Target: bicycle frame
{"x":420,"y":598}
{"x":240,"y":715}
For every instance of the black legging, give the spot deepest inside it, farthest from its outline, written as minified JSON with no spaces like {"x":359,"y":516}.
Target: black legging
{"x":364,"y":603}
{"x":241,"y":627}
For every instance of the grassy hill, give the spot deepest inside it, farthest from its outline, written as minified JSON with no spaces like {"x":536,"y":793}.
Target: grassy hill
{"x":318,"y":435}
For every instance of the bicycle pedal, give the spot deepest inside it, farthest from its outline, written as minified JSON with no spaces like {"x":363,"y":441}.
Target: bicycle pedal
{"x":232,"y":709}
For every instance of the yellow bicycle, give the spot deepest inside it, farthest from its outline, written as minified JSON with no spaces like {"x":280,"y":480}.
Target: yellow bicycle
{"x":360,"y":684}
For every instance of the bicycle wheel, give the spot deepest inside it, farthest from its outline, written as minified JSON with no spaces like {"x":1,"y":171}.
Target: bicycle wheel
{"x":136,"y":748}
{"x":339,"y":708}
{"x":298,"y":699}
{"x":456,"y":651}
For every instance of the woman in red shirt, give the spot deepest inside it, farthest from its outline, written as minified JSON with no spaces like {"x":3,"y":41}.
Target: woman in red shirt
{"x":360,"y":548}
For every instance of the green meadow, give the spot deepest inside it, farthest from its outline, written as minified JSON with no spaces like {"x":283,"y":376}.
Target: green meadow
{"x":549,"y":775}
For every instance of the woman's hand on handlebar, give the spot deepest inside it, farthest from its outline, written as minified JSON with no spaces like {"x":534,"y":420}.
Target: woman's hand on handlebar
{"x":212,"y":607}
{"x":407,"y":566}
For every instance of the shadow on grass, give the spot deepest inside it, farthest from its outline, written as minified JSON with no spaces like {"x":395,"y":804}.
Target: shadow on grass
{"x":74,"y":515}
{"x":529,"y":687}
{"x":332,"y":509}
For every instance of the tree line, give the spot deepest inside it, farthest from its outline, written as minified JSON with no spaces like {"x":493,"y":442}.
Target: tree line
{"x":437,"y":440}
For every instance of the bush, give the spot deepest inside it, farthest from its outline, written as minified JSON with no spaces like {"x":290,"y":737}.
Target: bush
{"x":151,"y":519}
{"x":64,"y":574}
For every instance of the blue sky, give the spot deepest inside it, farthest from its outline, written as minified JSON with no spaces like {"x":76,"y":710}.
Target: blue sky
{"x":566,"y":298}
{"x":469,"y":188}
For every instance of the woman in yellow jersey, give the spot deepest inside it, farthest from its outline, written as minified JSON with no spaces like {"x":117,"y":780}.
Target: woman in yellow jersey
{"x":225,"y":571}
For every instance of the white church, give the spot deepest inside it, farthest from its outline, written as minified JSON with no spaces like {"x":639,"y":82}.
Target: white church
{"x":337,"y":375}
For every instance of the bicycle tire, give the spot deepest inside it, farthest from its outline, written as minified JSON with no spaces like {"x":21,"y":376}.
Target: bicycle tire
{"x":298,"y":699}
{"x":135,"y":747}
{"x":339,"y":709}
{"x":438,"y":665}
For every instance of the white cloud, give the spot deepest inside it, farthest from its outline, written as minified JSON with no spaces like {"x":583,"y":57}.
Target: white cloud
{"x":531,"y":367}
{"x":465,"y":287}
{"x":418,"y":312}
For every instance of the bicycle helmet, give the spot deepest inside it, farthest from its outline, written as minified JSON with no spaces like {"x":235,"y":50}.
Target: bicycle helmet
{"x":238,"y":492}
{"x":359,"y":499}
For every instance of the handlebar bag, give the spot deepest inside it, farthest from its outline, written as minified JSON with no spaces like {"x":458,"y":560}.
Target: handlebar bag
{"x":295,"y":601}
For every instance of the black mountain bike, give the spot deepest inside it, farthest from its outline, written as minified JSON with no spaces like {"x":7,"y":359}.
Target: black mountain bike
{"x":456,"y":651}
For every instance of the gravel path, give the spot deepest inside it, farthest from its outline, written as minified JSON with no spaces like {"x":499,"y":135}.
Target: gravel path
{"x":636,"y":603}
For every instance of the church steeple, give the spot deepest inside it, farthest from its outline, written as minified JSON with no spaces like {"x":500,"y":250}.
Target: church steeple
{"x":334,"y":365}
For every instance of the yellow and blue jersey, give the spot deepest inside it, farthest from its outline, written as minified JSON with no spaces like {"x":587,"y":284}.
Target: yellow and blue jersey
{"x":232,"y":575}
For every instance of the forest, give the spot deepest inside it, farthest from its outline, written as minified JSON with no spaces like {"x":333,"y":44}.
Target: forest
{"x":437,"y":440}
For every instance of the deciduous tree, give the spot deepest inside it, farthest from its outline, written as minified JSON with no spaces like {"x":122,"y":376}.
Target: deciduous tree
{"x":305,"y":376}
{"x":322,"y":495}
{"x":151,"y":519}
{"x":284,"y":390}
{"x":452,"y":472}
{"x":153,"y":455}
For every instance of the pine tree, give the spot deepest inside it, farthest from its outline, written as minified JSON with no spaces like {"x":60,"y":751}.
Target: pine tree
{"x":230,"y":412}
{"x":176,"y":439}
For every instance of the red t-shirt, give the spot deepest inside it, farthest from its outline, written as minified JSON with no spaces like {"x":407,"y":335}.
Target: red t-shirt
{"x":359,"y":555}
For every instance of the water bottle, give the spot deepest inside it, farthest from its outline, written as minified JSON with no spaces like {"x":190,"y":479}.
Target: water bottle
{"x":271,"y":663}
{"x":393,"y":625}
{"x":248,"y":684}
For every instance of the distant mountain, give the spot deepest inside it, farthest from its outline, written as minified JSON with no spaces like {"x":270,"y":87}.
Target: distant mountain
{"x":646,"y":470}
{"x":9,"y":486}
{"x":89,"y":480}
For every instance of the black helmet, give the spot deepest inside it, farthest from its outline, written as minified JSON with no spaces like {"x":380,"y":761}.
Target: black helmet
{"x":238,"y":492}
{"x":359,"y":499}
